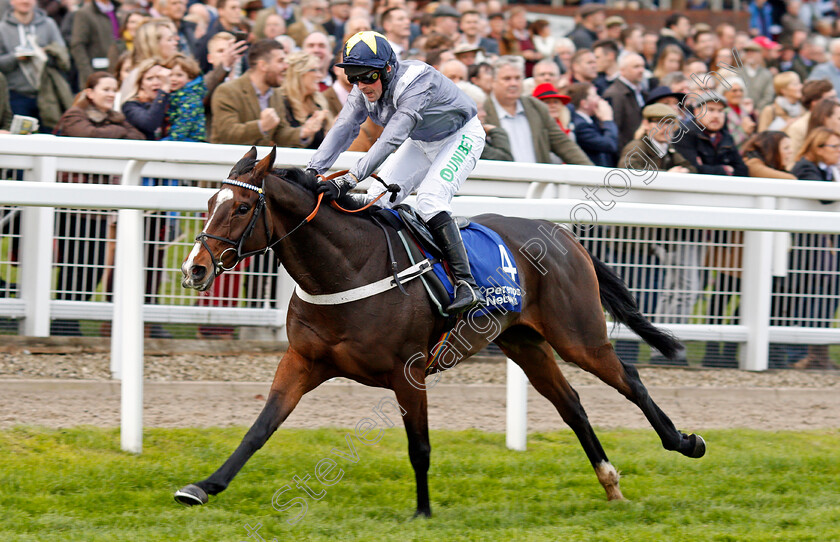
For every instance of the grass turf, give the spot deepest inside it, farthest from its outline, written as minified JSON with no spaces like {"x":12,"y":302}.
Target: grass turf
{"x":76,"y":484}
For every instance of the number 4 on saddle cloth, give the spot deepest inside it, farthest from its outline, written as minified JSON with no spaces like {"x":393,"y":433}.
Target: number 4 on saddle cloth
{"x":491,"y":261}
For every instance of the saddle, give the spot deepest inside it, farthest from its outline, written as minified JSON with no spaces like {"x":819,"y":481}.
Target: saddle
{"x":418,"y":227}
{"x":416,"y":238}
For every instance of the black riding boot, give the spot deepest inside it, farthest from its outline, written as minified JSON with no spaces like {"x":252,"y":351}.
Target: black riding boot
{"x":446,"y":233}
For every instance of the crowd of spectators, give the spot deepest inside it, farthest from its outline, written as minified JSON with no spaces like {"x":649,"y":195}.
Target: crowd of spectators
{"x":262,"y":72}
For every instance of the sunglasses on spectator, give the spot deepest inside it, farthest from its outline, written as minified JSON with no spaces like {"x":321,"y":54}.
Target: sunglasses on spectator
{"x":368,"y":78}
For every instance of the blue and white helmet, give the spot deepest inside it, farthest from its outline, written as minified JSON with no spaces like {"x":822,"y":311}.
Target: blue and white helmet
{"x":368,"y":51}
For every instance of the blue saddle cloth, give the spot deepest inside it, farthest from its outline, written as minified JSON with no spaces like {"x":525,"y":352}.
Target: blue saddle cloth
{"x":492,"y":265}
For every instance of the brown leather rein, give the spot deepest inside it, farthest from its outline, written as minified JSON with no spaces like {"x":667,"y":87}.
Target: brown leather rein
{"x":237,"y":245}
{"x":336,"y":205}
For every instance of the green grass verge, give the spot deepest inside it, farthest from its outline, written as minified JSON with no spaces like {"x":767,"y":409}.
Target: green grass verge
{"x":76,"y":484}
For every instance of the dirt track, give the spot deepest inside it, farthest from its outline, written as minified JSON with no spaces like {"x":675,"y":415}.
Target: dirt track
{"x":451,"y":406}
{"x":61,"y":390}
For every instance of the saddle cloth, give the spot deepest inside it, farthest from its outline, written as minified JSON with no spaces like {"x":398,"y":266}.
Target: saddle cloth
{"x":491,"y":261}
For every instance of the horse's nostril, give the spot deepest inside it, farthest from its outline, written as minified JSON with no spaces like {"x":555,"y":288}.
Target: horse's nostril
{"x":198,"y":272}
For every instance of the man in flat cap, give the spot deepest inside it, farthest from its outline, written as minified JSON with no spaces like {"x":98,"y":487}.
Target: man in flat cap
{"x":757,"y":78}
{"x":446,"y":22}
{"x":614,"y":25}
{"x":653,"y":151}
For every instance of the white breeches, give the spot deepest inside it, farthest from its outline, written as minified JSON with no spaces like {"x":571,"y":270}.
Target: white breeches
{"x":434,"y":169}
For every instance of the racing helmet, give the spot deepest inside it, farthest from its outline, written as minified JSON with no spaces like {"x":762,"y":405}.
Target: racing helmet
{"x":368,"y":51}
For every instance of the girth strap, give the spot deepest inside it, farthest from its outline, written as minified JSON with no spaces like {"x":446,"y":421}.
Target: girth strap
{"x":368,"y":290}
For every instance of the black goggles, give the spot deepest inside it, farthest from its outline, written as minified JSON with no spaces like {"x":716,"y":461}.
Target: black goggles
{"x":367,"y":78}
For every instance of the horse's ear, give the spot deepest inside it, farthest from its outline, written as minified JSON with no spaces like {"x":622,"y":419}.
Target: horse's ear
{"x":252,"y":154}
{"x":265,"y":165}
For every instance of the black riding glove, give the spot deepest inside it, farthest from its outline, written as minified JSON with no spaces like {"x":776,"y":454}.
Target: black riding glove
{"x":336,"y":188}
{"x":312,"y":173}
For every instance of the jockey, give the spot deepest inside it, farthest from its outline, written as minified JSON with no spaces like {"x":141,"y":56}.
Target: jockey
{"x":434,"y":130}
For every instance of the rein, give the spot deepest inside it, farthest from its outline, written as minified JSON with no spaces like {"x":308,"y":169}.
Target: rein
{"x":218,"y":265}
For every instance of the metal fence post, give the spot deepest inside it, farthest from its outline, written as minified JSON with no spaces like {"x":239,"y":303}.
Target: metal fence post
{"x":756,"y":286}
{"x":36,"y":255}
{"x":516,"y":432}
{"x":127,"y":329}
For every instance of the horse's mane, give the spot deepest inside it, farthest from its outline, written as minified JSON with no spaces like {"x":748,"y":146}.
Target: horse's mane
{"x":299,"y":177}
{"x":293,"y":175}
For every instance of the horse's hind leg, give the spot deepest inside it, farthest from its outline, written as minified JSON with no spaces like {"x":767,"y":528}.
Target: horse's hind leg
{"x":603,"y":362}
{"x":530,"y":351}
{"x":295,"y":376}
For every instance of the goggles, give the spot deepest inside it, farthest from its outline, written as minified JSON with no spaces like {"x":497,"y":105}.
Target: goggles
{"x":367,"y":78}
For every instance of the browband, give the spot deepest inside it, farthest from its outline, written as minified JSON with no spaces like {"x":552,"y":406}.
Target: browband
{"x":243,"y":185}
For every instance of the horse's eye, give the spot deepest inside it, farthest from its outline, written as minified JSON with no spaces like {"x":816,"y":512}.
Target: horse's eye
{"x":242,"y":209}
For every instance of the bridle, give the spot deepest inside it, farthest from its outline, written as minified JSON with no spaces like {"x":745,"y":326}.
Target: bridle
{"x":259,"y":208}
{"x":237,"y":246}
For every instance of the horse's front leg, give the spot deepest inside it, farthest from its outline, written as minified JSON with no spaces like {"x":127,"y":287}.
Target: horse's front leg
{"x":295,"y":376}
{"x":412,"y":398}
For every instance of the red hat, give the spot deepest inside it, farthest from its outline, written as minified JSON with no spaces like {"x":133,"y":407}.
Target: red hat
{"x":766,"y":43}
{"x":546,"y":91}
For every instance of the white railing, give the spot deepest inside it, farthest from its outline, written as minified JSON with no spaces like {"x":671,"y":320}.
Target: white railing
{"x":554,"y":193}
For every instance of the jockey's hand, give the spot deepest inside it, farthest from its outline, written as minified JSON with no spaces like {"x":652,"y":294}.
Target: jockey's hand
{"x":312,"y":173}
{"x":394,"y":189}
{"x":336,"y":188}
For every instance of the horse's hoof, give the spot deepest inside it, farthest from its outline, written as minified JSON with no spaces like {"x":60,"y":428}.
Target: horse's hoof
{"x":699,"y":446}
{"x":422,"y":514}
{"x":191,"y":495}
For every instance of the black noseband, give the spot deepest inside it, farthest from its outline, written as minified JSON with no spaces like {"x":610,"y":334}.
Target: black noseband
{"x":218,"y":266}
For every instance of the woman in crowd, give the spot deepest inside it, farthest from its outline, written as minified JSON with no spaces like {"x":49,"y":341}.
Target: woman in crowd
{"x":770,"y":155}
{"x":155,"y":38}
{"x":129,"y":23}
{"x":148,"y":101}
{"x":787,"y":106}
{"x":518,"y":33}
{"x":92,"y":113}
{"x":542,"y":39}
{"x":740,"y":116}
{"x":556,"y":103}
{"x":82,"y":236}
{"x":305,"y":106}
{"x":722,"y":57}
{"x":825,"y":114}
{"x":670,"y":60}
{"x":813,"y":265}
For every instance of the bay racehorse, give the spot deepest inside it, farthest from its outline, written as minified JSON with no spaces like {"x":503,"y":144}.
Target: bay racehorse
{"x":376,"y":340}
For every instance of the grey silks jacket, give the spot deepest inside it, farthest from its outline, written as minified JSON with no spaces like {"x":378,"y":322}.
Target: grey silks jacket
{"x":418,"y":103}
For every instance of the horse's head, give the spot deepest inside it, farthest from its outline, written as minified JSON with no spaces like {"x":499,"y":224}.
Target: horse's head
{"x":237,"y":224}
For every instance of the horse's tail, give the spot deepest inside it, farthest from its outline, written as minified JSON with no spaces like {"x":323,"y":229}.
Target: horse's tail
{"x":621,"y":304}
